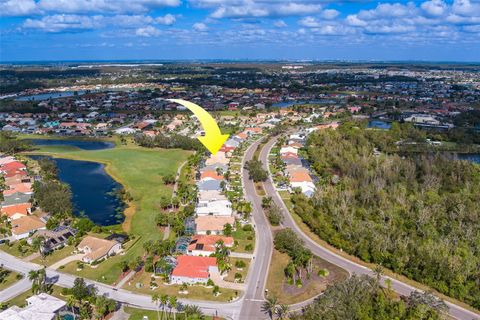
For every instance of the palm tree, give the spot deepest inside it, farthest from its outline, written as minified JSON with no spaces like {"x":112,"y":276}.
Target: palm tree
{"x":282,"y":311}
{"x":269,"y":306}
{"x":37,"y":243}
{"x":193,"y":312}
{"x":164,"y":300}
{"x":173,"y":304}
{"x":33,"y":276}
{"x":71,"y":303}
{"x":156,"y":299}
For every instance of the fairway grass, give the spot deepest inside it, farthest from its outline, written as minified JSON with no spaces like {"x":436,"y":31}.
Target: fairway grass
{"x":140,"y":171}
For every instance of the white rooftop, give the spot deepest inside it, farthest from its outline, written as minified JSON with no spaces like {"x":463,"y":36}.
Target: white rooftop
{"x":40,"y":307}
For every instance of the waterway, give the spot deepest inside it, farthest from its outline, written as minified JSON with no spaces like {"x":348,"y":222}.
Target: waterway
{"x":82,"y":144}
{"x":94,"y":192}
{"x":50,"y":95}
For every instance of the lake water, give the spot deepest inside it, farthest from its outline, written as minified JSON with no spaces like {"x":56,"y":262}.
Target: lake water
{"x":378,"y":124}
{"x":473,"y":157}
{"x":82,"y":144}
{"x":50,"y":95}
{"x":93,"y":190}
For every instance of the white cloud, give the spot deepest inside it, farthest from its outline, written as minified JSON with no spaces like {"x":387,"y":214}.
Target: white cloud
{"x":167,"y":19}
{"x":17,"y":7}
{"x":309,"y":22}
{"x":280,"y":24}
{"x":466,"y":8}
{"x":64,"y":22}
{"x":256,"y":9}
{"x":329,"y":14}
{"x":27,"y":7}
{"x":354,"y":21}
{"x":200,"y":27}
{"x":147,"y":31}
{"x":434,"y":7}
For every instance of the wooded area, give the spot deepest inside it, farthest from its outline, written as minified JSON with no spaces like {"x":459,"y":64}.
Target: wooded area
{"x":416,"y":214}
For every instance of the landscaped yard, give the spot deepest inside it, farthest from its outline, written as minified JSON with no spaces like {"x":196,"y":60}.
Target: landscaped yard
{"x":9,"y":279}
{"x":140,"y":171}
{"x":140,"y":314}
{"x":196,"y":292}
{"x":14,"y":249}
{"x":244,"y":239}
{"x":278,"y":286}
{"x":54,"y":256}
{"x":20,"y":299}
{"x":243,"y":271}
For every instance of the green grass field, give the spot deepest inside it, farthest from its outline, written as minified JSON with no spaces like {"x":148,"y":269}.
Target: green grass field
{"x":140,"y":171}
{"x":10,"y":279}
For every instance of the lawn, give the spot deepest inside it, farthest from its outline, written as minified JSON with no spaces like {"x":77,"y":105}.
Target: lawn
{"x":20,"y":299}
{"x":139,"y":314}
{"x":14,"y":249}
{"x":242,"y":237}
{"x":10,"y":279}
{"x":140,"y":171}
{"x":54,"y":256}
{"x":195,"y":292}
{"x":243,"y":271}
{"x":289,"y":294}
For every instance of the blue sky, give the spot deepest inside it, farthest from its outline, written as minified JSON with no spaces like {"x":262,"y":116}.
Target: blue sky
{"x":434,"y":30}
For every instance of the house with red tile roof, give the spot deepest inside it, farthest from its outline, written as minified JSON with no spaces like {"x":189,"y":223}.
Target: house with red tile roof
{"x":193,"y":269}
{"x":210,"y":175}
{"x":205,"y":245}
{"x":18,"y":187}
{"x":17,"y":210}
{"x":13,"y":166}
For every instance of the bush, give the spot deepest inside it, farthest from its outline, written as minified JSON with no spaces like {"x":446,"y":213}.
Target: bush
{"x":240,"y":264}
{"x":247,"y":228}
{"x":249,"y":247}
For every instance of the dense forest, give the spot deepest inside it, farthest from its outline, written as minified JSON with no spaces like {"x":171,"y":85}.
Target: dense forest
{"x":361,"y":297}
{"x":415,"y":213}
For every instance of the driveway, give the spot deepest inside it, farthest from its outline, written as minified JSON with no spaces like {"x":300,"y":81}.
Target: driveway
{"x":64,"y":261}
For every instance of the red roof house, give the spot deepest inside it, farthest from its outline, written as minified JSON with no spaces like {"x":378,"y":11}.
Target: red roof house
{"x":192,"y":269}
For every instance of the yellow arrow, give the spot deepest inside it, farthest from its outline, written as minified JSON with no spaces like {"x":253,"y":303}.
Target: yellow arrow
{"x":213,"y":139}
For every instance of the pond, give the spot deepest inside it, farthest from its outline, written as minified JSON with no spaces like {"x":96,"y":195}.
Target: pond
{"x":472,"y":157}
{"x":94,"y":192}
{"x":82,"y":144}
{"x":378,"y":124}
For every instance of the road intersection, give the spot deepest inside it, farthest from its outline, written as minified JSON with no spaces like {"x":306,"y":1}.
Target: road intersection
{"x":248,"y":306}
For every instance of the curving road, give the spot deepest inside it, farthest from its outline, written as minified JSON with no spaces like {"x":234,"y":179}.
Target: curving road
{"x":456,"y":311}
{"x":247,"y":307}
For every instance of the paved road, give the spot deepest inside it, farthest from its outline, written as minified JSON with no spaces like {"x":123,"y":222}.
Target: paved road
{"x":257,"y":275}
{"x":247,"y":307}
{"x":124,"y":296}
{"x":352,"y":267}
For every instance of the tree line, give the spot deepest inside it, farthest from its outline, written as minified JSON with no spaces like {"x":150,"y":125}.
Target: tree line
{"x":416,"y":214}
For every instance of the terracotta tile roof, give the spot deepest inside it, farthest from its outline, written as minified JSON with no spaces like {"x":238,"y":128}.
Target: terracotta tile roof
{"x":212,"y":223}
{"x":18,"y":187}
{"x":14,"y":165}
{"x":26,"y":224}
{"x":210,"y":174}
{"x":208,"y":242}
{"x":300,"y":176}
{"x":22,"y":208}
{"x":289,"y":155}
{"x":193,"y":267}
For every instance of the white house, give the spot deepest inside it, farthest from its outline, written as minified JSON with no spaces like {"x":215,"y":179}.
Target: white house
{"x":39,"y":307}
{"x":214,"y":208}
